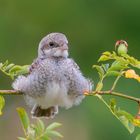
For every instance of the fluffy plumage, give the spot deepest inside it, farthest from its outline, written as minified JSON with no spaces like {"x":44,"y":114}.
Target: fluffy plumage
{"x":54,"y":79}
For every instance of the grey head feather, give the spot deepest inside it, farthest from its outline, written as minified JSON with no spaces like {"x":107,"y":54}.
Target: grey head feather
{"x":52,"y":37}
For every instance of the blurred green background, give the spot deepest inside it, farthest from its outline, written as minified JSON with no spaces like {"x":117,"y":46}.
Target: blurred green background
{"x":92,"y":26}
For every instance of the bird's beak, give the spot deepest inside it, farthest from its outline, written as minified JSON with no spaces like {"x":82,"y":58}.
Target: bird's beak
{"x":64,"y":47}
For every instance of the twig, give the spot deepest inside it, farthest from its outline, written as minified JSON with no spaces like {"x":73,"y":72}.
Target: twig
{"x":10,"y":92}
{"x":115,"y":82}
{"x":109,"y":92}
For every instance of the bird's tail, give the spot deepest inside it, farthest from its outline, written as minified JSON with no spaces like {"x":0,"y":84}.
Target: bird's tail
{"x":48,"y":113}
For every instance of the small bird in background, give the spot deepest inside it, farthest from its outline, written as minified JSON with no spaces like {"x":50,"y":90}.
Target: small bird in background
{"x":54,"y":79}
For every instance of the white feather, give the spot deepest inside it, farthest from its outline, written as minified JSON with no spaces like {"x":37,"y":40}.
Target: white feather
{"x":63,"y":53}
{"x":20,"y":83}
{"x":56,"y":95}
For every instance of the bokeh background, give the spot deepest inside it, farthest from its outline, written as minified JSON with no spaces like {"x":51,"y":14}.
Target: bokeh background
{"x":92,"y":26}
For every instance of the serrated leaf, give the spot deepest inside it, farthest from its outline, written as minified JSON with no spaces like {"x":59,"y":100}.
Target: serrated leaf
{"x":2,"y":103}
{"x":53,"y":126}
{"x":138,"y":137}
{"x":24,"y":118}
{"x":54,"y":134}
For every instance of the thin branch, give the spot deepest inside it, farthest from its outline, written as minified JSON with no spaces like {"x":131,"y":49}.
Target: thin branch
{"x":109,"y":92}
{"x":10,"y":92}
{"x":115,"y":82}
{"x":126,"y":96}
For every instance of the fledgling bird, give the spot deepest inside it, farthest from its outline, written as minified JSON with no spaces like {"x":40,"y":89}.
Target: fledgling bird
{"x":54,"y":79}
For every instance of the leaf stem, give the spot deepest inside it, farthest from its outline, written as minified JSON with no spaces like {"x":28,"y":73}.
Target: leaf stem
{"x":115,"y":82}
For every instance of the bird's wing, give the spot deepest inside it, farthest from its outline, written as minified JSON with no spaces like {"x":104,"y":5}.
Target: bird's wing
{"x":75,"y":65}
{"x":34,"y":65}
{"x":89,"y":81}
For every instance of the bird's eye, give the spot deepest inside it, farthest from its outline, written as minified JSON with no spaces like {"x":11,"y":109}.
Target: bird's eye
{"x":51,"y":44}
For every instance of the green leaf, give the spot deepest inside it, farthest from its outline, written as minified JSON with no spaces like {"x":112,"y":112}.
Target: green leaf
{"x":45,"y":137}
{"x":24,"y":118}
{"x":138,"y":137}
{"x":13,"y":70}
{"x":1,"y":65}
{"x":53,"y":126}
{"x":54,"y":134}
{"x":39,"y":127}
{"x":50,"y":130}
{"x":107,"y":53}
{"x":113,"y":73}
{"x":125,"y":121}
{"x":8,"y":67}
{"x":2,"y":103}
{"x":124,"y":117}
{"x":118,"y":66}
{"x":103,"y":58}
{"x":100,"y":70}
{"x":132,"y":61}
{"x":23,"y":70}
{"x":4,"y":65}
{"x":20,"y":138}
{"x":113,"y":104}
{"x":19,"y":69}
{"x":31,"y":133}
{"x":126,"y":114}
{"x":105,"y":67}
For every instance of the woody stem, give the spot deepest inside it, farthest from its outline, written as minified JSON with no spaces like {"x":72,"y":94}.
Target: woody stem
{"x":109,"y":92}
{"x":10,"y":92}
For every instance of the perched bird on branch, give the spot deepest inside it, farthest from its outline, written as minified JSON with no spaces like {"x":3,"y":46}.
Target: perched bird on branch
{"x":54,"y":79}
